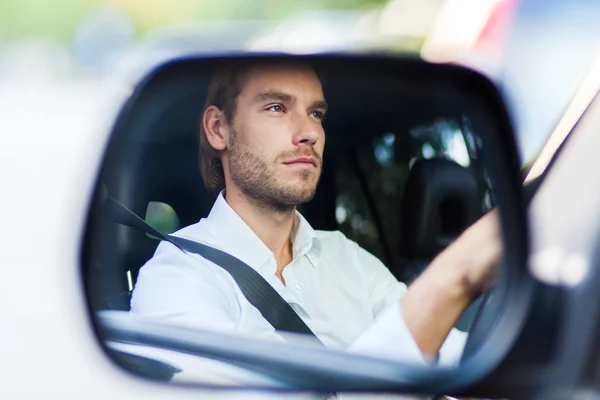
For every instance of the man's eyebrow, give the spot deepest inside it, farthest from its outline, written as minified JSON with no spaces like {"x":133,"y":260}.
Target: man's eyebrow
{"x":320,"y":104}
{"x":282,"y":97}
{"x":274,"y":95}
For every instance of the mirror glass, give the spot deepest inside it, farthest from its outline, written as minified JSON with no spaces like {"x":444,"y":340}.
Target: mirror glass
{"x":343,"y":186}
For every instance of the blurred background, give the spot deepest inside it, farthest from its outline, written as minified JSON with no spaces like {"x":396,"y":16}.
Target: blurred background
{"x":57,"y":56}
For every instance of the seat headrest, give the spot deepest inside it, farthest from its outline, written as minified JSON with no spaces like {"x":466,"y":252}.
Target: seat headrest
{"x":441,"y":198}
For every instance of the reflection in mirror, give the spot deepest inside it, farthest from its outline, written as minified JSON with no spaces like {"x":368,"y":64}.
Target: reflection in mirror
{"x":325,"y":206}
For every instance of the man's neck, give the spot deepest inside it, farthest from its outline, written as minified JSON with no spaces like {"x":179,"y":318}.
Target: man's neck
{"x":273,"y":228}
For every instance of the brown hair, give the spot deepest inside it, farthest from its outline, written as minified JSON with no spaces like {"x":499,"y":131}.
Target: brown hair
{"x":224,"y":88}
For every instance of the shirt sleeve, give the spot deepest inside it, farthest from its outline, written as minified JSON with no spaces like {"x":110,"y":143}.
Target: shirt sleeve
{"x":389,"y":336}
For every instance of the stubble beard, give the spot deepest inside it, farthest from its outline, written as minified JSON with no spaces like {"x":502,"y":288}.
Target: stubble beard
{"x":256,"y":179}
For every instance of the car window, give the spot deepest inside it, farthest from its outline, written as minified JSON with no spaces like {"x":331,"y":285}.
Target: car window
{"x":371,"y":176}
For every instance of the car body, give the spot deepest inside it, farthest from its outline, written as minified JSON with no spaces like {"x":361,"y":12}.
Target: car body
{"x":50,"y":346}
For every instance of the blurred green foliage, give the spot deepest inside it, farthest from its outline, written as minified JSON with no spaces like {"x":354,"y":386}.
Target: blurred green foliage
{"x":52,"y":19}
{"x":58,"y":19}
{"x":162,"y":217}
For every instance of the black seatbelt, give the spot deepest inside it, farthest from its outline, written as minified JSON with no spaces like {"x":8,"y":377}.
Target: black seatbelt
{"x":254,"y":287}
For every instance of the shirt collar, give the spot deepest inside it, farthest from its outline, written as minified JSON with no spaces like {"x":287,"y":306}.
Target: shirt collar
{"x":235,"y":237}
{"x":305,"y":240}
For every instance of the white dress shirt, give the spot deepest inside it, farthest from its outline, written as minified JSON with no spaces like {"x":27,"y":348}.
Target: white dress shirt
{"x":347,"y":297}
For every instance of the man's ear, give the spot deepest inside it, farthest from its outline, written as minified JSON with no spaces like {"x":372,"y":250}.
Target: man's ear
{"x":216,"y":128}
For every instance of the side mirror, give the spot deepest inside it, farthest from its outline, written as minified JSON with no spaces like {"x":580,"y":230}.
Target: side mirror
{"x":389,"y":119}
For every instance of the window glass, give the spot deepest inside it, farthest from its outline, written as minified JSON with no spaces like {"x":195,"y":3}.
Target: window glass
{"x":371,"y":176}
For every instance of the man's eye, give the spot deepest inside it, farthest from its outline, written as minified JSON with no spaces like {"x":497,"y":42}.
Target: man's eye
{"x":275,"y":108}
{"x":317,"y":114}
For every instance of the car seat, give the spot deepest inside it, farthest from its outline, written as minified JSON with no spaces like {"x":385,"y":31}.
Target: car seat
{"x":441,"y":199}
{"x":161,"y":172}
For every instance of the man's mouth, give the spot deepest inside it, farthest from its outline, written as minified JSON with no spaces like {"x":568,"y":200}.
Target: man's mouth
{"x":302,"y":162}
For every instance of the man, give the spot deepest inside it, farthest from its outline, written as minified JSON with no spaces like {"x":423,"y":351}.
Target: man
{"x":261,"y":148}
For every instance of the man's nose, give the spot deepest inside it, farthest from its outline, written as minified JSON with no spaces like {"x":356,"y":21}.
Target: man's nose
{"x":307,"y":130}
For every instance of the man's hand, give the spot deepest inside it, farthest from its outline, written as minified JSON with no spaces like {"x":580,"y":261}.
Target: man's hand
{"x":465,"y":269}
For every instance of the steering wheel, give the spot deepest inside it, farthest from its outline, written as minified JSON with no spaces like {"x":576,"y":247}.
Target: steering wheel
{"x":485,"y":317}
{"x":482,"y":322}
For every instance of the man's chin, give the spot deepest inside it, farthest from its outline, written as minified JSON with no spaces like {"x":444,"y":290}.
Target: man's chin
{"x":295,"y":197}
{"x":305,"y":197}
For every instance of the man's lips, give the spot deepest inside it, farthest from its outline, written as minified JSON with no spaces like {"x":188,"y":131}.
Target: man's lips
{"x":302,"y":161}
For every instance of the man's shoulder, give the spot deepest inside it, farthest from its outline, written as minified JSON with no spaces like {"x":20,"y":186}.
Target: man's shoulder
{"x":334,"y":239}
{"x":336,"y":242}
{"x":172,"y":261}
{"x":197,"y":232}
{"x":330,"y":235}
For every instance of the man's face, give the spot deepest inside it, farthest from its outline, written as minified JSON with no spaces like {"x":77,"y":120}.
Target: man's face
{"x":277,"y":138}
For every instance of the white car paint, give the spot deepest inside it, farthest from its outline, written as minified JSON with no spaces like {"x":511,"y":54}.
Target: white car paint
{"x":52,"y":140}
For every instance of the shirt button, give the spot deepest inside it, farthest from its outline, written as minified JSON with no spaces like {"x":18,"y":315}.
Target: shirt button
{"x":298,"y":286}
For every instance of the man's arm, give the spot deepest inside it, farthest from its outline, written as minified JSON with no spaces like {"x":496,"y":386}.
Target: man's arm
{"x":435,"y":301}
